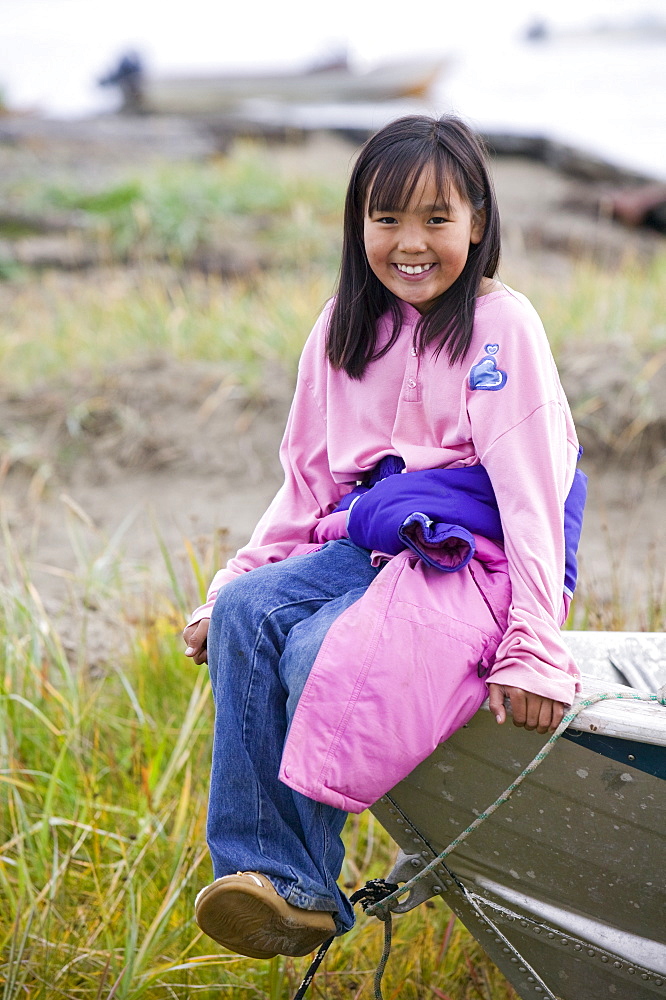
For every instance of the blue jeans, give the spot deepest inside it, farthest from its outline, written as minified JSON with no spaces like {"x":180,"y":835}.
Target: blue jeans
{"x":265,"y":632}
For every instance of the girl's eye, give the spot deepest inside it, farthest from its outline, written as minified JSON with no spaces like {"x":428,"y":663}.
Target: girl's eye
{"x":386,"y":219}
{"x":437,"y":220}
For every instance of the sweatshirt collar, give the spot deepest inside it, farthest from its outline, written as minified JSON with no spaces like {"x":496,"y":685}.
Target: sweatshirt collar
{"x":410,"y":313}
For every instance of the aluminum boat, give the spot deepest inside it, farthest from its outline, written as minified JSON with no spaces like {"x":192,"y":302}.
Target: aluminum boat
{"x":570,"y":870}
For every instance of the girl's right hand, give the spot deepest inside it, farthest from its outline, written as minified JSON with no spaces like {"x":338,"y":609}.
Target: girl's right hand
{"x":195,"y":637}
{"x":529,"y":710}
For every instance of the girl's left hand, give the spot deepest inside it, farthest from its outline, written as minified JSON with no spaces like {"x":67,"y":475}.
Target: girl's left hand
{"x":528,"y":710}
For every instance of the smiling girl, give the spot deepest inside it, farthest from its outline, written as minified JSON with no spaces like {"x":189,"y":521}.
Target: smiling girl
{"x":342,"y":648}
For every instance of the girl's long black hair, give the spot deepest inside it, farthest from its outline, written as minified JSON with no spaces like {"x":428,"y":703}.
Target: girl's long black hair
{"x":384,"y":178}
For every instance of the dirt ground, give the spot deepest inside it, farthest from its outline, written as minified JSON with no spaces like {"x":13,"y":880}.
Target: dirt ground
{"x":168,"y":454}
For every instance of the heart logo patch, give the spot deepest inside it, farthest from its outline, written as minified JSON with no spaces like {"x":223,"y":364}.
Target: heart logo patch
{"x":485,"y":374}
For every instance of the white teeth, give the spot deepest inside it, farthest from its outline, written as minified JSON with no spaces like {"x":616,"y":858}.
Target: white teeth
{"x":414,"y":269}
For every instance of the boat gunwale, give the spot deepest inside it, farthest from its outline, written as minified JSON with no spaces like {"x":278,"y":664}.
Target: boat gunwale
{"x":628,"y":719}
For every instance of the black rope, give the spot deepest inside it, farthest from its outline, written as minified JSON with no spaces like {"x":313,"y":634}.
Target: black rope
{"x":314,"y":965}
{"x":372,"y":892}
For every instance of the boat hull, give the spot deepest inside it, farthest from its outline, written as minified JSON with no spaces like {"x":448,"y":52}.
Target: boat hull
{"x":211,"y":94}
{"x":570,"y":869}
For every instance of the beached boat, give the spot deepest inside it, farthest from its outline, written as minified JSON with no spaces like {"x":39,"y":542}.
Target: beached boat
{"x":569,"y":870}
{"x":208,"y":94}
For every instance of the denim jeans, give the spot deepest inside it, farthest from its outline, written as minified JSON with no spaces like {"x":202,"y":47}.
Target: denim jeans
{"x":265,"y":632}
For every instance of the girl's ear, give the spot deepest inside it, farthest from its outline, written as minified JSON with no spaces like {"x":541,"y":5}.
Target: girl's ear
{"x":478,"y":226}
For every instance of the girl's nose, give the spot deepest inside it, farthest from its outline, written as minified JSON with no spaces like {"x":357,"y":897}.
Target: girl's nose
{"x":412,"y":239}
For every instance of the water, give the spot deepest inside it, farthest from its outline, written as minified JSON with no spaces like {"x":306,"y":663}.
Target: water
{"x":605,"y":94}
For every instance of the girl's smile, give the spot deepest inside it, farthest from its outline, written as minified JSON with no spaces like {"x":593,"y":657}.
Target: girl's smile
{"x":416,"y":269}
{"x":417,"y":252}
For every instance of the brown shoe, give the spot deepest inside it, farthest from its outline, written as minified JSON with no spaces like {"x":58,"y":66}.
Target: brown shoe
{"x":244,"y":913}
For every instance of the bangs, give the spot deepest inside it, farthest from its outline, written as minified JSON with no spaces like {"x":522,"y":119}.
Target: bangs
{"x":397,"y":178}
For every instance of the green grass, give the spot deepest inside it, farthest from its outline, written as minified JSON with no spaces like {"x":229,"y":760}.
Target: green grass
{"x":594,"y":305}
{"x":171,"y":211}
{"x":64,"y":324}
{"x":103,"y":785}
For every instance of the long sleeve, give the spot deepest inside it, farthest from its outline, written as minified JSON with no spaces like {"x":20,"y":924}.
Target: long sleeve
{"x":530,"y":468}
{"x":308,"y":493}
{"x":524,"y":437}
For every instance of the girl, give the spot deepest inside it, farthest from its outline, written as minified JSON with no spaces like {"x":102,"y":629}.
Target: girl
{"x":422,"y":361}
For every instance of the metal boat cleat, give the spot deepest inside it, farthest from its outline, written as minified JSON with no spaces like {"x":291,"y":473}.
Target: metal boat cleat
{"x":405,"y":868}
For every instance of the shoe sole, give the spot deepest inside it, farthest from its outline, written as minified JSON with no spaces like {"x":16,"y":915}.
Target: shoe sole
{"x":241,"y":917}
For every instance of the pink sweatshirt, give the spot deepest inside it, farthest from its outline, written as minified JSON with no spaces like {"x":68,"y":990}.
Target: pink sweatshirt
{"x":503,"y":407}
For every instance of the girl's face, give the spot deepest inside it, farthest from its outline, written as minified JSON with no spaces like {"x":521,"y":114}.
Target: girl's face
{"x":419,"y":251}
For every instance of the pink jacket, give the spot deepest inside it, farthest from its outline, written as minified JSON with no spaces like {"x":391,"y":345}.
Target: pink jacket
{"x":502,"y":406}
{"x":398,"y":672}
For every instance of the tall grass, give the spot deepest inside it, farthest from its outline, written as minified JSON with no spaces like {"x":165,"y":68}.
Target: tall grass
{"x":64,"y":324}
{"x":103,"y":784}
{"x":170,"y":211}
{"x":592,"y":305}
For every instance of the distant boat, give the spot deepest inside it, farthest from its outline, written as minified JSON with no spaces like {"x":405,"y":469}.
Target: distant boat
{"x":571,"y":869}
{"x":645,"y":27}
{"x":211,"y":93}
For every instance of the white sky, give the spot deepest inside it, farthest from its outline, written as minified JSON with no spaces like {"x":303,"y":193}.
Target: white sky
{"x":51,"y":51}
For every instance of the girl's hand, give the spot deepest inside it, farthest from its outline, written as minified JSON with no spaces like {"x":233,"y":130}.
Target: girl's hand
{"x":528,"y":710}
{"x":195,"y":637}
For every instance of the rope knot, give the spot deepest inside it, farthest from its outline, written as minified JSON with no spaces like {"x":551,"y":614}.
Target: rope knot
{"x":373,"y":892}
